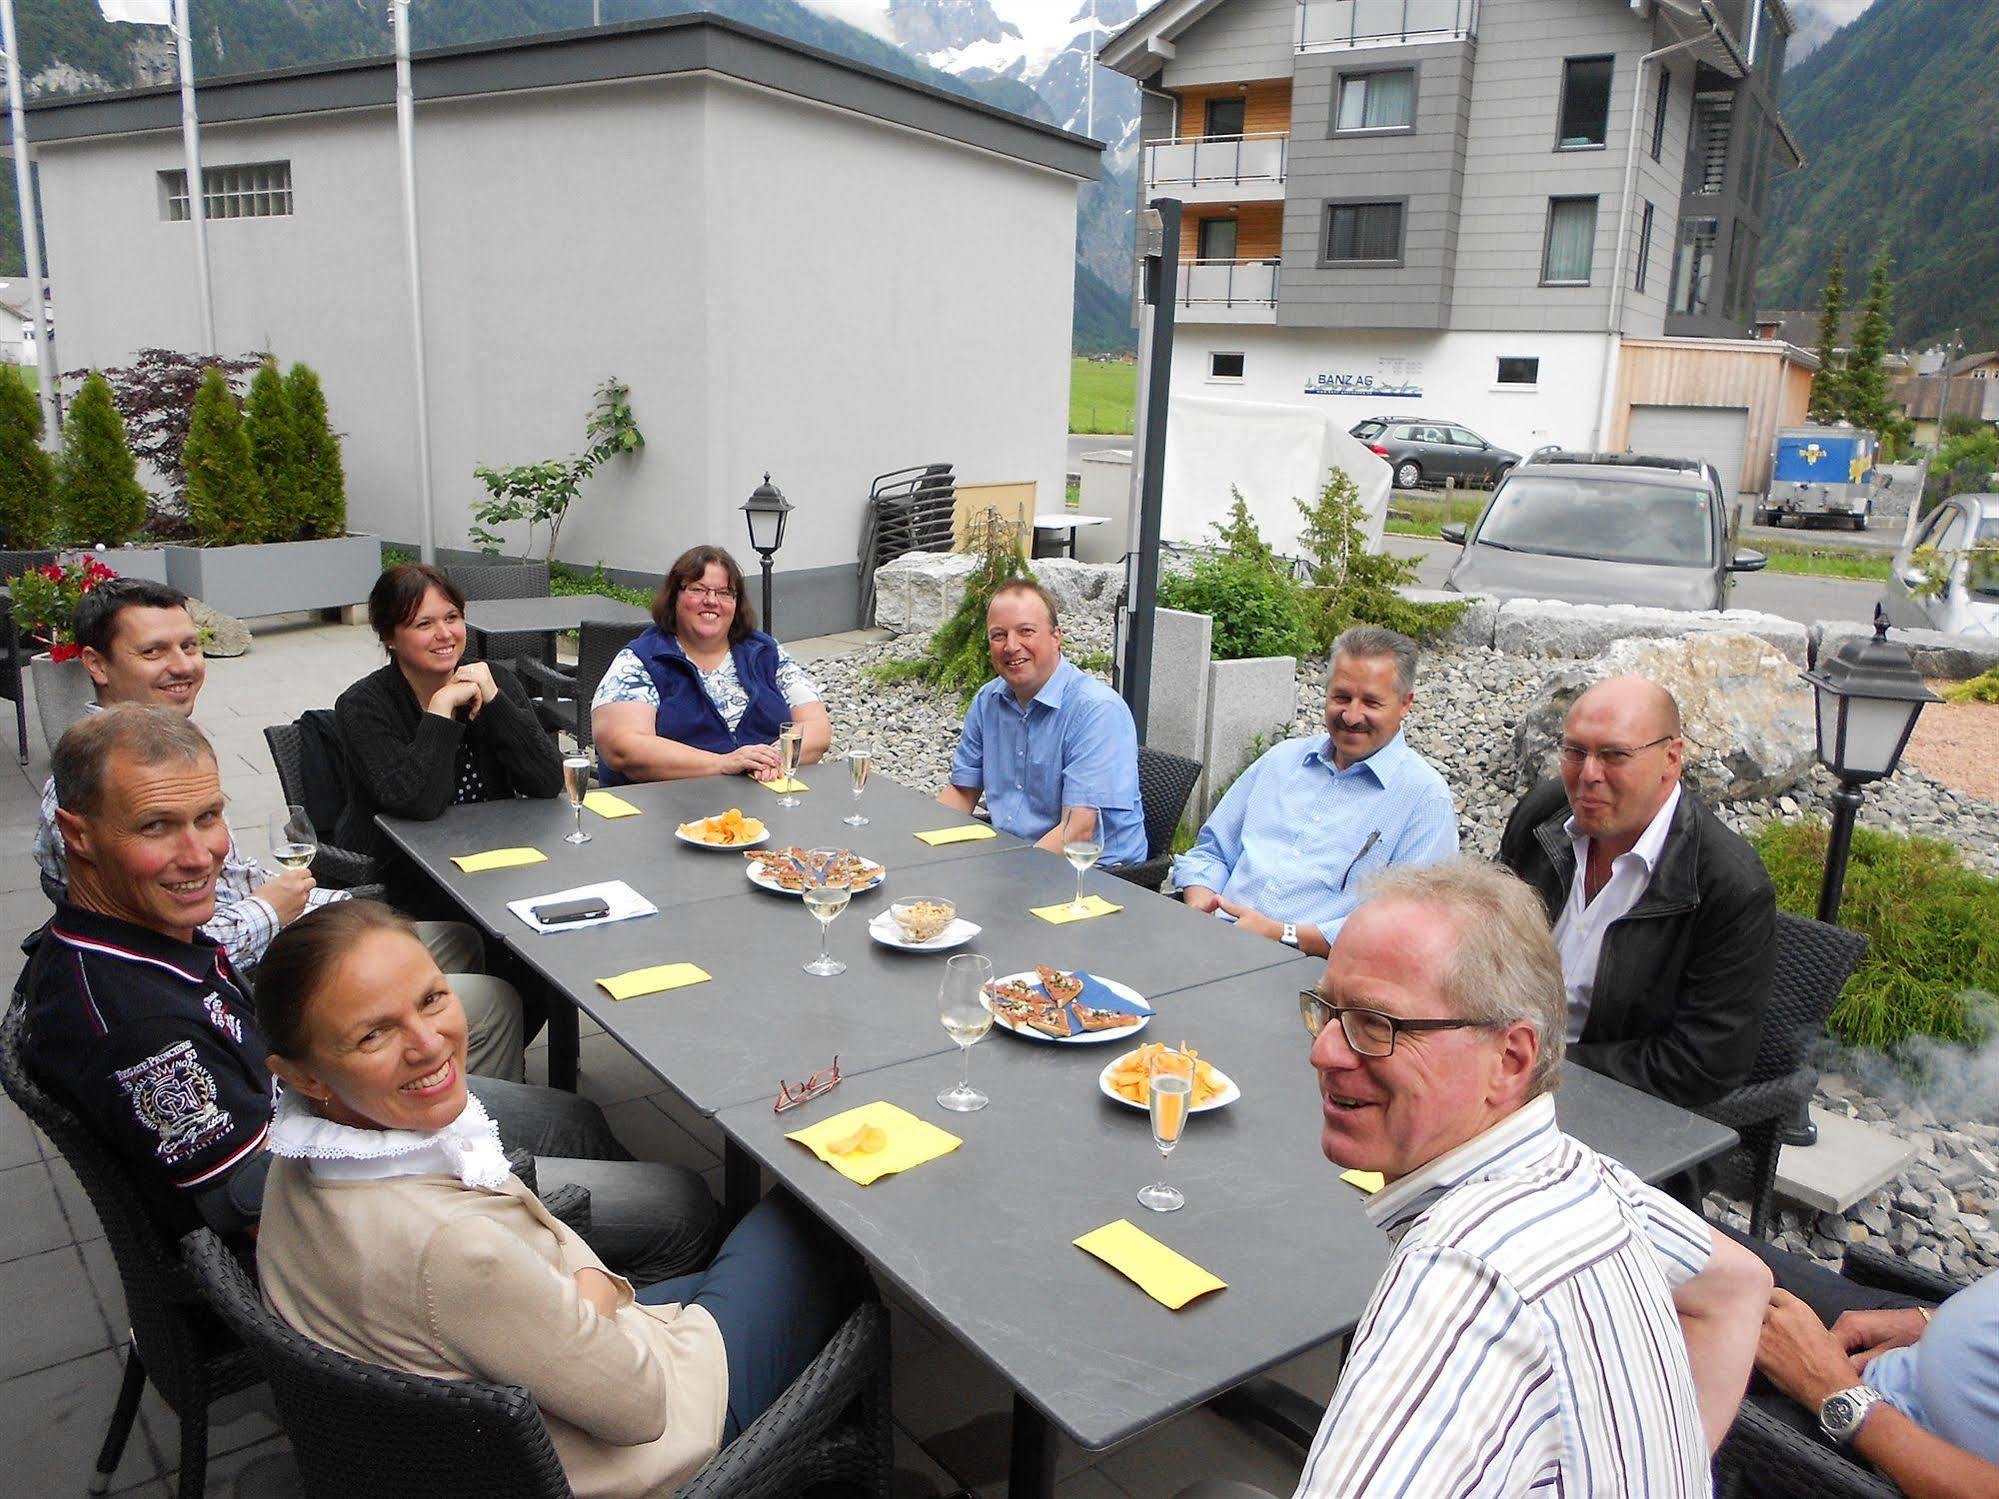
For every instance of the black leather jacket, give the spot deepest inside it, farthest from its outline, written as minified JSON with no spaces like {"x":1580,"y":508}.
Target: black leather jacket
{"x":1684,"y":978}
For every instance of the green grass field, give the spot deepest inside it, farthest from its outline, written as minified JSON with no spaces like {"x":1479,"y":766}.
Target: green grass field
{"x":1102,"y":396}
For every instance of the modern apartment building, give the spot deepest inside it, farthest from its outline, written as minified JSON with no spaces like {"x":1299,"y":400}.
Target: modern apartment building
{"x":1460,"y":207}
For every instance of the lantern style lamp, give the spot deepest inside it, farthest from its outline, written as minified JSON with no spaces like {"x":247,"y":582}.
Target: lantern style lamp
{"x":765,"y":510}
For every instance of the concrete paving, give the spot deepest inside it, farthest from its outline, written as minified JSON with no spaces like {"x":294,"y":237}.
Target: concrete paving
{"x":1850,"y":1160}
{"x":60,"y":1362}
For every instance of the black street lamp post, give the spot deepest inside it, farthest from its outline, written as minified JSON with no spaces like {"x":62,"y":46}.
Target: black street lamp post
{"x":766,"y":510}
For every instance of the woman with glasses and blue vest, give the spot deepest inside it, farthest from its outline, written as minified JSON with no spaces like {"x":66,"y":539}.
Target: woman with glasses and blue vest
{"x":703,"y":692}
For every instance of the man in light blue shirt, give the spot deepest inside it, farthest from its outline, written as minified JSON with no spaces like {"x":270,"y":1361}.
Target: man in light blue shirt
{"x":1043,"y":739}
{"x":1287,"y":849}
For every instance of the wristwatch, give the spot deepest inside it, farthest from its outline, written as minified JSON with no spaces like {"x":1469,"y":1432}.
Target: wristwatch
{"x":1289,"y":936}
{"x":1840,"y":1414}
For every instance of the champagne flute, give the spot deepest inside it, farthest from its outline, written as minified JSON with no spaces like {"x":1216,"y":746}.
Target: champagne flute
{"x":1082,"y":845}
{"x":789,"y":737}
{"x":825,"y":898}
{"x":1169,"y":1096}
{"x":294,"y":840}
{"x":860,"y":760}
{"x":576,"y":781}
{"x":961,"y":1005}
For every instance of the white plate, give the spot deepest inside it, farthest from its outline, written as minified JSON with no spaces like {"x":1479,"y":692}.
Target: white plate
{"x":884,"y":930}
{"x":1229,"y":1094}
{"x":764,"y":882}
{"x":763,"y":837}
{"x":1081,"y":1038}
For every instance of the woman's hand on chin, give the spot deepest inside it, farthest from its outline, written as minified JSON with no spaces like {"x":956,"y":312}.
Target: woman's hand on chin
{"x":481,"y":676}
{"x":453,"y":695}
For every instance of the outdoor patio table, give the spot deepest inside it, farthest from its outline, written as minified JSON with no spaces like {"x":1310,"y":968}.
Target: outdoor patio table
{"x":550,"y":616}
{"x":980,"y":1239}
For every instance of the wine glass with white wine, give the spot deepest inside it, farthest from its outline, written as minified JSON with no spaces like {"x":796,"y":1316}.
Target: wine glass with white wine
{"x":294,"y":841}
{"x":961,"y":1005}
{"x":1169,"y":1098}
{"x":826,"y":896}
{"x":1082,"y":846}
{"x":576,"y":781}
{"x":789,"y":738}
{"x":860,"y":760}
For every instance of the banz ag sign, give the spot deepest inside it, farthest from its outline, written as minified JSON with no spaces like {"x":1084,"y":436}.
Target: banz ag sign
{"x":1346,"y":383}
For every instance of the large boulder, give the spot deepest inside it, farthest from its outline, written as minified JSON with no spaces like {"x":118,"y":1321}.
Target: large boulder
{"x":1081,"y":589}
{"x":1544,"y":627}
{"x":920,"y":590}
{"x":1934,"y":653}
{"x":1745,"y":713}
{"x":221,"y":634}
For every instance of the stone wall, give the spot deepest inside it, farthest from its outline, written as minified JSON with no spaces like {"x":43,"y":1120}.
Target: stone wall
{"x":920,"y":590}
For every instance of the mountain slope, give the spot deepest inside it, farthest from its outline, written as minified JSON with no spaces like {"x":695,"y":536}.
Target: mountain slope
{"x":1898,"y":115}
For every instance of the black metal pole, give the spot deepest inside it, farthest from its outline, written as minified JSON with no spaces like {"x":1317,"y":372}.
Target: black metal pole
{"x":1162,"y":274}
{"x":1799,"y":1129}
{"x":770,"y":628}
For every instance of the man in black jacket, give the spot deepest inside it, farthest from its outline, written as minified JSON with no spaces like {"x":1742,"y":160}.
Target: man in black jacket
{"x":1665,"y":918}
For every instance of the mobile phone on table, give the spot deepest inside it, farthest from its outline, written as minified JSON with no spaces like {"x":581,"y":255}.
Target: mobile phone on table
{"x":556,"y":912}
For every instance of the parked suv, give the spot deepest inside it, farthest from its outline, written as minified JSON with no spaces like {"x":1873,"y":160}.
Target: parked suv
{"x":1428,"y":450}
{"x":1603,"y":528}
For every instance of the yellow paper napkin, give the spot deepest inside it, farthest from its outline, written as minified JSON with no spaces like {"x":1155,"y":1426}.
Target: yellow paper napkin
{"x":972,"y":832}
{"x":498,"y":858}
{"x":1168,"y":1278}
{"x":652,"y":980}
{"x":1093,"y":905}
{"x":1369,"y":1182}
{"x":911,"y":1141}
{"x":604,"y":804}
{"x":793,"y":784}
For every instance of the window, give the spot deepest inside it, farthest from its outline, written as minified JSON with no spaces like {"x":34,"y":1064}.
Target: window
{"x":1518,"y":369}
{"x":1215,"y":239}
{"x":1644,"y":249}
{"x":1225,"y":366}
{"x":1377,"y":101}
{"x":1693,"y":266}
{"x":1585,"y":103}
{"x":1659,"y":114}
{"x":257,"y":190}
{"x":1707,"y":151}
{"x":1370,"y":233}
{"x":1565,"y":259}
{"x":1225,"y":117}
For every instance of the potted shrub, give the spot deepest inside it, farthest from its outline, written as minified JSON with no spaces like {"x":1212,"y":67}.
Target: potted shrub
{"x":27,"y":476}
{"x":98,"y":493}
{"x":45,"y":609}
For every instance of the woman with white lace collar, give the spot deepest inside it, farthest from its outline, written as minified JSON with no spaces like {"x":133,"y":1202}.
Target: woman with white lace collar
{"x":393,"y":1232}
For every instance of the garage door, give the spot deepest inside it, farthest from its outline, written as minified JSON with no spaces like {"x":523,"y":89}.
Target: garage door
{"x":1716,"y":433}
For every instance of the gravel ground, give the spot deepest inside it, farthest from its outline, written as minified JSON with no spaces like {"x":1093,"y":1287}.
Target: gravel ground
{"x":1940,"y":1213}
{"x":1954,"y":742}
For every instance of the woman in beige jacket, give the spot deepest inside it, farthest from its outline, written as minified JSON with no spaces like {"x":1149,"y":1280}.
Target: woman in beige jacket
{"x":393,"y":1232}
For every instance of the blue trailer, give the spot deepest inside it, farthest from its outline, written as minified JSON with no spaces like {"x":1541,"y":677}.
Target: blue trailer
{"x":1825,"y":471}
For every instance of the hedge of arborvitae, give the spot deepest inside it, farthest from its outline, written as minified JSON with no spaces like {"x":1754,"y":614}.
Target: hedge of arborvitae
{"x":27,"y":477}
{"x":225,"y":495}
{"x":97,"y":490}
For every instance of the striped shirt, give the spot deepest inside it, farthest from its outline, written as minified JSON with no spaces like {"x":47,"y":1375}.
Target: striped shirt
{"x":1523,"y":1337}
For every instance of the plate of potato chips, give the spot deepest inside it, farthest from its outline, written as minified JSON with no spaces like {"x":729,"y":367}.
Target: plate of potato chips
{"x":1127,"y":1079}
{"x":728,"y":829}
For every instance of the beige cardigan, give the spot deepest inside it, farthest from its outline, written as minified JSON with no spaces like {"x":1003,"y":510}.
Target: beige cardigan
{"x":429,"y":1276}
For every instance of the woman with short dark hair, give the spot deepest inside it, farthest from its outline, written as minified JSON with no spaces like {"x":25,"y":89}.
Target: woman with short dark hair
{"x":430,"y":730}
{"x":703,"y":691}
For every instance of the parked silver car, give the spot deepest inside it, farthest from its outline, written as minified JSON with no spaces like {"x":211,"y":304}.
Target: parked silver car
{"x":1603,"y":528}
{"x":1425,"y":450}
{"x":1968,"y":603}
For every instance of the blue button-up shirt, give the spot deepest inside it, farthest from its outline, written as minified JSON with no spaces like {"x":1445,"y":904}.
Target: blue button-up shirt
{"x":1073,"y":746}
{"x":1296,"y":837}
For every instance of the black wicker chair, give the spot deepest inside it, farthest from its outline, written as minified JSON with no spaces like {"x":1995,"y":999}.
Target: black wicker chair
{"x":360,"y":1431}
{"x":1814,"y":962}
{"x":1164,"y":784}
{"x":561,"y":695}
{"x":503,"y":580}
{"x":1764,"y":1458}
{"x":176,"y":1341}
{"x":322,"y":795}
{"x":13,"y":667}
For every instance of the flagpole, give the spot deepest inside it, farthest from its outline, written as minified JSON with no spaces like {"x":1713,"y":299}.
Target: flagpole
{"x":197,"y":188}
{"x":399,"y":11}
{"x":31,"y":239}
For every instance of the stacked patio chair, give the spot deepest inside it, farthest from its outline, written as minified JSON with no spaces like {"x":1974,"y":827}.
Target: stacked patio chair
{"x":561,"y":694}
{"x":480,"y":581}
{"x":13,"y":669}
{"x":1164,"y":784}
{"x":908,"y":510}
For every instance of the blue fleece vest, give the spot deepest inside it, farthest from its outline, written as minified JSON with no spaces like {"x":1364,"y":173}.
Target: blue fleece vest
{"x":688,"y":714}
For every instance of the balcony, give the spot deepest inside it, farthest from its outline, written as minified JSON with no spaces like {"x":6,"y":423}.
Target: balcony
{"x":1227,"y":291}
{"x":1229,"y":168}
{"x":1324,"y":25}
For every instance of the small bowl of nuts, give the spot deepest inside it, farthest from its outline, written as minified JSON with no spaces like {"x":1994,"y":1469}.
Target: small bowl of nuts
{"x":922,"y":920}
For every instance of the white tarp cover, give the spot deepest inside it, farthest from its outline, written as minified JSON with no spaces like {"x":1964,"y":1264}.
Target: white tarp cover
{"x":1273,"y":454}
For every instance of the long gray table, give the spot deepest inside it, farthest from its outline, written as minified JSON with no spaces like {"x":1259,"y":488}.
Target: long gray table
{"x":552,"y":613}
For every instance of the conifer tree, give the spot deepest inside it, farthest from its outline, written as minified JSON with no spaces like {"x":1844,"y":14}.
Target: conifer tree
{"x":322,"y":483}
{"x":274,"y":449}
{"x":98,"y":489}
{"x":1829,"y":384}
{"x":27,"y":476}
{"x":224,"y":499}
{"x":1866,"y":381}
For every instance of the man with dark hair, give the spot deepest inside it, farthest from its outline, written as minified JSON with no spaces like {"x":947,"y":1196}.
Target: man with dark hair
{"x":138,"y":1018}
{"x":1665,"y":918}
{"x":1054,"y":750}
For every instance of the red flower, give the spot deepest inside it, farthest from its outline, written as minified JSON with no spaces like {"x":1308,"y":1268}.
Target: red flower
{"x":65,"y":651}
{"x":52,"y":571}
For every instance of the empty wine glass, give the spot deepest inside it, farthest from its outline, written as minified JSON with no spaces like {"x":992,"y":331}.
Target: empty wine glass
{"x":961,"y":1005}
{"x":1082,"y":845}
{"x":789,"y":738}
{"x":826,"y":896}
{"x":860,"y":760}
{"x":576,"y":781}
{"x":1170,"y":1094}
{"x":294,"y":840}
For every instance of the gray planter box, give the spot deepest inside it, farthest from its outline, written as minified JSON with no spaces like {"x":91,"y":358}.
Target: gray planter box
{"x":278,"y":577}
{"x":1246,"y":699}
{"x":128,"y":562}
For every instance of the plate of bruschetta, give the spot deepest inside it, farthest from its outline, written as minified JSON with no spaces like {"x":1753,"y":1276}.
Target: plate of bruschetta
{"x":1069,"y":1009}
